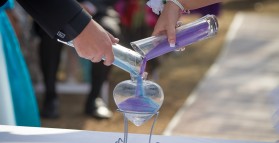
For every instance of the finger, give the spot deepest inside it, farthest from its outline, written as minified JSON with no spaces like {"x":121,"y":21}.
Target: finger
{"x":109,"y":58}
{"x":113,"y":39}
{"x":96,"y":59}
{"x":155,"y":32}
{"x":159,"y":33}
{"x":171,"y":35}
{"x":158,"y":30}
{"x":92,"y":59}
{"x":179,"y":23}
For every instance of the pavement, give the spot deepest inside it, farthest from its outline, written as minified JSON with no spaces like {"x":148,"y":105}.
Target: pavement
{"x":233,"y":100}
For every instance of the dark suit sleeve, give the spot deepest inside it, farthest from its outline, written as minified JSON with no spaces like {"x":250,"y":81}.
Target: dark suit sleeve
{"x":61,"y":19}
{"x":2,"y":2}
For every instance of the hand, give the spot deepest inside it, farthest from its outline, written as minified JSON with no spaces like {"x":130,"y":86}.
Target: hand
{"x":95,"y":43}
{"x":166,"y":23}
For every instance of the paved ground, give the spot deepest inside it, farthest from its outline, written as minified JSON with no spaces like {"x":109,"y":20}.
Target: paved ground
{"x":232,"y":101}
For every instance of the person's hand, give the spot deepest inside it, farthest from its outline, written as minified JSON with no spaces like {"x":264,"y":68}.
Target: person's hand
{"x":95,"y":43}
{"x":167,"y":21}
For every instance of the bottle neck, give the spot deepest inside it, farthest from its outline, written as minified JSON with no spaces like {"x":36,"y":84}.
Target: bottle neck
{"x":134,"y":78}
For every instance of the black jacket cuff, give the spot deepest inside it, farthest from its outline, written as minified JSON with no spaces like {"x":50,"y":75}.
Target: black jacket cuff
{"x":74,"y":27}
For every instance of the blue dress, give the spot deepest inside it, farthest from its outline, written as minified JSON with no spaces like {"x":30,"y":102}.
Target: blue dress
{"x":19,"y":85}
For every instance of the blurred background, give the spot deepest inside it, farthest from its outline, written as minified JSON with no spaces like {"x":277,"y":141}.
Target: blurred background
{"x":178,"y":73}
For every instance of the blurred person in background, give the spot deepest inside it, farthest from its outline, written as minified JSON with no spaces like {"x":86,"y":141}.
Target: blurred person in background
{"x":214,"y":9}
{"x":18,"y":104}
{"x":50,"y":51}
{"x":137,"y":22}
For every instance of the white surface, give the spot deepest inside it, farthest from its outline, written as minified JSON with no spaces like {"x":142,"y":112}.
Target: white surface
{"x":33,"y":134}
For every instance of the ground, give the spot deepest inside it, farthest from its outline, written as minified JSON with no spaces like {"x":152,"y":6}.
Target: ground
{"x":179,"y":75}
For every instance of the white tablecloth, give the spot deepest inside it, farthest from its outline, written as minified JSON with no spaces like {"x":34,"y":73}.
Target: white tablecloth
{"x":47,"y":135}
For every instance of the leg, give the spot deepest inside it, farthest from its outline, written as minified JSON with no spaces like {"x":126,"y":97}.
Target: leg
{"x":99,"y":73}
{"x":94,"y":104}
{"x":49,"y":53}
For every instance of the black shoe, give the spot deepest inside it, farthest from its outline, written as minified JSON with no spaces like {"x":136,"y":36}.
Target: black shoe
{"x":98,"y":109}
{"x":50,"y":109}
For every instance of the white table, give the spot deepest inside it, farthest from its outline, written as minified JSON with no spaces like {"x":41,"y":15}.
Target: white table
{"x":47,"y":135}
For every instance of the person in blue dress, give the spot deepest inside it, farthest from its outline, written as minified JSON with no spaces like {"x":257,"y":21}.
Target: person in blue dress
{"x":16,"y":92}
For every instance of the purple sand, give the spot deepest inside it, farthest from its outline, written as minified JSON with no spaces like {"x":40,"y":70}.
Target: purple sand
{"x":139,"y":104}
{"x":139,"y":88}
{"x":183,"y":38}
{"x":143,"y":65}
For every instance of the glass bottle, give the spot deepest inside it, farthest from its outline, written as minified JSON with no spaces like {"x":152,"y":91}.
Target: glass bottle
{"x":155,"y":46}
{"x":124,"y":58}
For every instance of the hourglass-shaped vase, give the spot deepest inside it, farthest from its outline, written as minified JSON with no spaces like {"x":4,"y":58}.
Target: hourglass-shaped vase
{"x":138,"y":98}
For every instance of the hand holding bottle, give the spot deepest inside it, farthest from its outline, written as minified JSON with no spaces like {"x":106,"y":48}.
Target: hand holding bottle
{"x":95,"y":43}
{"x":166,"y":23}
{"x":170,"y":14}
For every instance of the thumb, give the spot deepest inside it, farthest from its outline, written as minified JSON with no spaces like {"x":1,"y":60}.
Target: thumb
{"x":113,"y":39}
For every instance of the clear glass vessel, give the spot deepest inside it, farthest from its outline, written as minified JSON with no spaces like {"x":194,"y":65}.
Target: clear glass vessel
{"x":155,"y":46}
{"x":124,"y":58}
{"x":138,"y":98}
{"x":127,"y":59}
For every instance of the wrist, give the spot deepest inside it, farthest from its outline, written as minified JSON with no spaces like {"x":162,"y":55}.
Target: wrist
{"x":172,"y":6}
{"x":180,"y":5}
{"x":183,"y":3}
{"x":157,"y":6}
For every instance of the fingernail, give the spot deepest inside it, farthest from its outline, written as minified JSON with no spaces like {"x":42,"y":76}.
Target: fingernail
{"x":106,"y":64}
{"x":172,"y":45}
